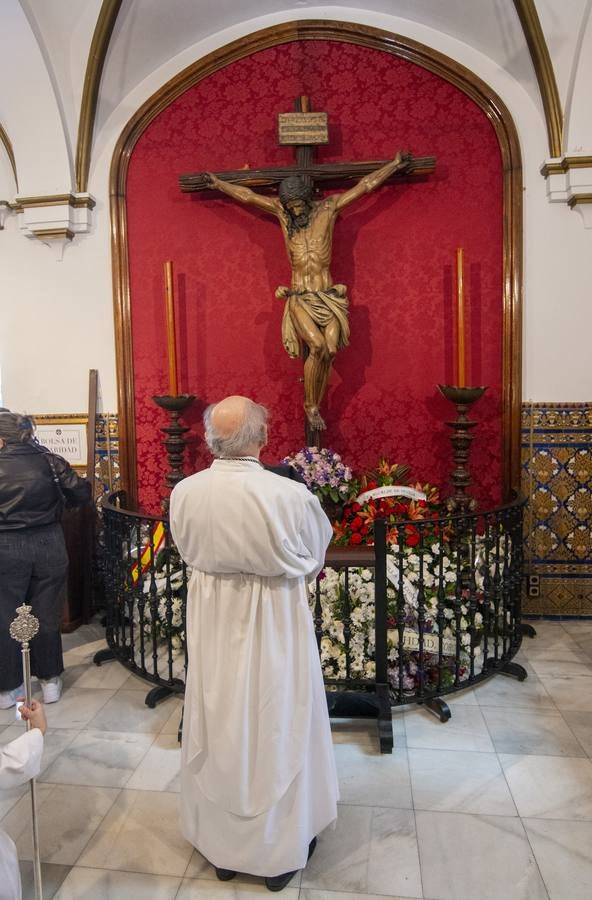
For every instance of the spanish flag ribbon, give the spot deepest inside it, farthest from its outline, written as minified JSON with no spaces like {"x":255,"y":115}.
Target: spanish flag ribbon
{"x":149,"y":551}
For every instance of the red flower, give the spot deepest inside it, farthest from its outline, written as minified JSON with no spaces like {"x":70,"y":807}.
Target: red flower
{"x":412,"y":539}
{"x":357,"y":523}
{"x":355,"y":507}
{"x":364,"y":530}
{"x":356,"y":538}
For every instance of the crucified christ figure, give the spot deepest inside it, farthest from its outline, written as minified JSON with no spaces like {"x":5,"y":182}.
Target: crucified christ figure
{"x":316,"y":309}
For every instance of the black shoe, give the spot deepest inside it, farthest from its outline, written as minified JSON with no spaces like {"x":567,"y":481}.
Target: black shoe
{"x":278,"y":882}
{"x":224,"y":874}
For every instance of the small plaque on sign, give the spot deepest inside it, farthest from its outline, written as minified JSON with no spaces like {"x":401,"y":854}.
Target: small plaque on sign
{"x":303,"y":128}
{"x":66,"y":440}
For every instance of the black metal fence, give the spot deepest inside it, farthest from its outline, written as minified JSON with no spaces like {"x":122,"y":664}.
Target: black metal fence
{"x":431,"y":609}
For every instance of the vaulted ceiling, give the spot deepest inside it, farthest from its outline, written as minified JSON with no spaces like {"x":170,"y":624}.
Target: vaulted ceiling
{"x":82,"y":60}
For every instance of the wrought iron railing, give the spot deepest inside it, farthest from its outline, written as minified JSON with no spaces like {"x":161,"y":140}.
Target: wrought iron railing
{"x":431,"y":609}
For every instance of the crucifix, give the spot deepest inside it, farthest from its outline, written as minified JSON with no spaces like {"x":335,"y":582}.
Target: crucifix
{"x":315,"y":322}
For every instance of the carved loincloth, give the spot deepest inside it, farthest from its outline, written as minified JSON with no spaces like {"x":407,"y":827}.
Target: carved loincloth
{"x":322,"y":307}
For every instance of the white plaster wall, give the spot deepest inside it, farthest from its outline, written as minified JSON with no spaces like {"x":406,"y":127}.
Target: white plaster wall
{"x":56,"y":321}
{"x":60,"y":313}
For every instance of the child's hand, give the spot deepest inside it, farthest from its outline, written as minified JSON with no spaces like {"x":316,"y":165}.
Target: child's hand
{"x":35,"y":714}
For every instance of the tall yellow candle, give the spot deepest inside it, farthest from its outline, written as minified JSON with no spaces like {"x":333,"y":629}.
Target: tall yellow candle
{"x":460,"y":320}
{"x":169,"y":300}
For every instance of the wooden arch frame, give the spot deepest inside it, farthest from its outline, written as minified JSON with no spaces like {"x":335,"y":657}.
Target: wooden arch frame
{"x":374,"y":38}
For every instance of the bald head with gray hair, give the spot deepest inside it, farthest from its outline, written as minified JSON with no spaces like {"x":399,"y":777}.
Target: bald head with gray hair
{"x":235,"y":427}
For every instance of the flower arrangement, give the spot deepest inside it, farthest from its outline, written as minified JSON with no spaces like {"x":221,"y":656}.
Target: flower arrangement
{"x":324,"y":473}
{"x":422,"y":558}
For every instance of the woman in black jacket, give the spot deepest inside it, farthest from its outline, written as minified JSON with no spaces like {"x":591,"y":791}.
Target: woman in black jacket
{"x":34,"y":487}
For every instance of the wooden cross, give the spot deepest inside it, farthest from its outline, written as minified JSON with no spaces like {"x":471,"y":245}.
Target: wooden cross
{"x":303,"y":130}
{"x":329,"y":173}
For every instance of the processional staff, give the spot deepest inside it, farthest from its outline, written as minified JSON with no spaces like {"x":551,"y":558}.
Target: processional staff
{"x":23,"y":629}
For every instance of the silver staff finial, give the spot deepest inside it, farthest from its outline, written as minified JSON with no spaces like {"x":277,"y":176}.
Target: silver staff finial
{"x":25,"y":626}
{"x":23,"y":629}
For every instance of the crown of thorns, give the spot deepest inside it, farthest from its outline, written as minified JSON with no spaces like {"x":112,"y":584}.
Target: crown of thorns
{"x":294,"y":188}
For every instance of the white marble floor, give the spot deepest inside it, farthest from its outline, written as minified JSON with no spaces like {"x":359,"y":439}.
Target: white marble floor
{"x":496,"y":804}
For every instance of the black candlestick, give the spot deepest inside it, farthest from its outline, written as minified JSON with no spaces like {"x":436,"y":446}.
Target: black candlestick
{"x":461,"y":438}
{"x":175,"y":441}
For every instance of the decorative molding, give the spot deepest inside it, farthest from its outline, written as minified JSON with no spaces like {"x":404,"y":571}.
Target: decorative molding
{"x":564,"y":164}
{"x":569,"y":180}
{"x":579,"y":198}
{"x":374,"y":38}
{"x":543,"y":67}
{"x":55,"y":219}
{"x":5,"y":140}
{"x":90,"y":92}
{"x":76,"y":201}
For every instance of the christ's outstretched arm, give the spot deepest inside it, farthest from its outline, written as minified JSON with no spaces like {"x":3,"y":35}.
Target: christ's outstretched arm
{"x":244,"y":194}
{"x":372,"y":181}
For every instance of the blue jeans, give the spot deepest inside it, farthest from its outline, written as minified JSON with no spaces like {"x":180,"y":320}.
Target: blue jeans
{"x":33,"y":569}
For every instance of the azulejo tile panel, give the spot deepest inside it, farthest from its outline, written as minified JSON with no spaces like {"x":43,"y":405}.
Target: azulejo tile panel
{"x":557,"y":479}
{"x":106,"y":456}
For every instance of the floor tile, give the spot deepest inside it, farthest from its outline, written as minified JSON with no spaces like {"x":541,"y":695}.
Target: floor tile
{"x":569,"y":692}
{"x":56,"y":740}
{"x":159,"y":769}
{"x":581,"y":725}
{"x":550,"y":787}
{"x":393,"y":861}
{"x":562,"y":850}
{"x":369,"y":778}
{"x":468,"y":697}
{"x":108,"y":676}
{"x":466,"y":730}
{"x":459,"y":781}
{"x":127,"y":711}
{"x":578,"y":628}
{"x":503,"y":691}
{"x":140,"y":834}
{"x":7,"y":716}
{"x":340,"y":861}
{"x":467,"y":857}
{"x":311,"y":894}
{"x":174,"y":706}
{"x":101,"y":758}
{"x":76,"y":707}
{"x":542,"y":733}
{"x":103,"y":884}
{"x":356,"y":730}
{"x":193,"y":889}
{"x":558,"y":668}
{"x":369,"y":851}
{"x":68,"y":815}
{"x":52,"y":876}
{"x":135,"y":683}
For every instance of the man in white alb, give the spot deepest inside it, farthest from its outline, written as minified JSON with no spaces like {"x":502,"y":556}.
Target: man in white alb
{"x":258,"y":778}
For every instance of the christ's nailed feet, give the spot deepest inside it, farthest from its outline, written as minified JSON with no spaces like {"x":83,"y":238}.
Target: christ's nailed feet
{"x":315,"y":419}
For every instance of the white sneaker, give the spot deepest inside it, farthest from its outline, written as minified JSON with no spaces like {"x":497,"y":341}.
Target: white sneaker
{"x":52,"y":689}
{"x":9,"y":698}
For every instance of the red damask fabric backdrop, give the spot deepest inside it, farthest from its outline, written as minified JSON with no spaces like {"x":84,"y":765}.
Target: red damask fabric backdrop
{"x":395,"y":249}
